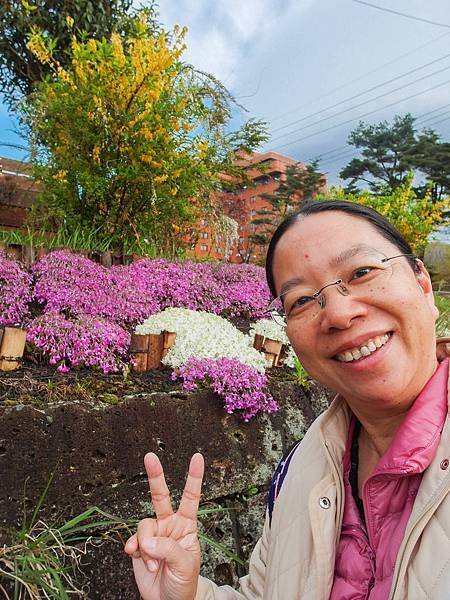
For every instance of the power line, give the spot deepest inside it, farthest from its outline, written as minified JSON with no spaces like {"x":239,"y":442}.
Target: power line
{"x":337,"y":158}
{"x":441,"y":121}
{"x":344,"y":85}
{"x":338,"y":149}
{"x":396,"y":12}
{"x":435,"y":117}
{"x":431,"y":111}
{"x":343,"y":150}
{"x":362,"y":93}
{"x":371,"y":112}
{"x":361,"y":103}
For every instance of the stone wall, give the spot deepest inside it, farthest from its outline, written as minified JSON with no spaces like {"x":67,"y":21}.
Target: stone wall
{"x":96,"y":451}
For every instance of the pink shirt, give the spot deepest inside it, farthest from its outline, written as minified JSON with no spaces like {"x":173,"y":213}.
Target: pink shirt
{"x":366,"y":553}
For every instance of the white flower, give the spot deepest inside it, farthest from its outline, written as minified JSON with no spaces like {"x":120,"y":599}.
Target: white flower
{"x":203,"y":335}
{"x":289,"y":361}
{"x":269,"y":329}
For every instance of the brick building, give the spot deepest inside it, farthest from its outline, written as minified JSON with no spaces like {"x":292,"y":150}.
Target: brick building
{"x":17,"y":192}
{"x":244,"y":205}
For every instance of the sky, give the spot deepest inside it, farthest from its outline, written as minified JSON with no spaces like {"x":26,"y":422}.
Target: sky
{"x":312,"y":69}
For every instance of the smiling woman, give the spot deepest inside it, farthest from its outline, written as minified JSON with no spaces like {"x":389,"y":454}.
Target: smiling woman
{"x":366,"y":500}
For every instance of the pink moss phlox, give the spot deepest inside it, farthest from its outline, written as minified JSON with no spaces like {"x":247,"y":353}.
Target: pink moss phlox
{"x":242,"y":387}
{"x":15,"y":292}
{"x":128,"y":294}
{"x":244,"y":289}
{"x":80,"y":341}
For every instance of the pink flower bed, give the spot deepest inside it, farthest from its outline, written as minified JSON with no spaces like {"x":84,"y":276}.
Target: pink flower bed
{"x":87,"y":311}
{"x":15,"y":292}
{"x":80,"y":341}
{"x":129,"y":294}
{"x":242,"y":387}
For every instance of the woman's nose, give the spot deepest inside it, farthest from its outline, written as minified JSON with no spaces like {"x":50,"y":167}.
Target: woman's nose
{"x":339,"y":310}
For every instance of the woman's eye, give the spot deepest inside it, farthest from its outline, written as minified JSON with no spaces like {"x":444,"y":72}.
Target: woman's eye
{"x":362,"y":272}
{"x":301,"y":302}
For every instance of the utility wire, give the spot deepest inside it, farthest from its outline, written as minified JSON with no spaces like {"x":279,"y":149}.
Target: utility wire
{"x":371,"y":112}
{"x":375,"y":87}
{"x":336,"y":159}
{"x":441,"y":121}
{"x":396,"y":12}
{"x":340,"y":151}
{"x":344,"y":85}
{"x":435,"y":117}
{"x":360,"y":104}
{"x":431,"y":111}
{"x":320,"y":154}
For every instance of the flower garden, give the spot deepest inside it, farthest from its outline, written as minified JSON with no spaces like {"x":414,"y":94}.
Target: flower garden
{"x":81,"y":315}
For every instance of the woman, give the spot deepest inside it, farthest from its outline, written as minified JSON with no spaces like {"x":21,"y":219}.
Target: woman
{"x":364,"y":511}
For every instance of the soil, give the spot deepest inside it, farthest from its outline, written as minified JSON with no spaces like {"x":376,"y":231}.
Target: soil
{"x":39,"y":384}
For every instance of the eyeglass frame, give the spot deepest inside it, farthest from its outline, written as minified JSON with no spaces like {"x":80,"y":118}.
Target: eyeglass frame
{"x":318,"y":295}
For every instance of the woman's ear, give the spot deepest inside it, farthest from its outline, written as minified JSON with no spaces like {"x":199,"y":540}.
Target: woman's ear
{"x":424,"y":280}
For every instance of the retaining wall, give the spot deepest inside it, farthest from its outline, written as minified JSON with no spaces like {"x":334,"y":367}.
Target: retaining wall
{"x":96,"y":452}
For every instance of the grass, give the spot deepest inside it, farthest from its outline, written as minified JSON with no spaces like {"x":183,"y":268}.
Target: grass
{"x":43,"y":561}
{"x":443,"y":322}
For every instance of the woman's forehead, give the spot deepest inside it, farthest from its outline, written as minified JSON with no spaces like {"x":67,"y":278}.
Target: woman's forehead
{"x":331,"y":232}
{"x":326,"y":240}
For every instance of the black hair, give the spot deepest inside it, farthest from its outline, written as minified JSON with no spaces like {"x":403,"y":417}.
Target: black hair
{"x":381,"y":224}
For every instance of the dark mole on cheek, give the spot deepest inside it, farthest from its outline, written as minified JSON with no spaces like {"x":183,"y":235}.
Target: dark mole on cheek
{"x":306,"y":256}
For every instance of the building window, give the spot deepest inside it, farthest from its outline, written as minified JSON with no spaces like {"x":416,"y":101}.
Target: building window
{"x":203,"y":247}
{"x":204,"y":222}
{"x":219,"y":250}
{"x":241,"y":240}
{"x":205,"y":235}
{"x":253,"y":212}
{"x":253,"y":199}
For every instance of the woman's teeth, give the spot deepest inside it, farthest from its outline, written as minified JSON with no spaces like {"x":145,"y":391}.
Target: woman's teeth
{"x":365,"y":350}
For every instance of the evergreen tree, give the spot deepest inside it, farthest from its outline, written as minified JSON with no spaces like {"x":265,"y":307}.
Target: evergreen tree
{"x":300,"y":183}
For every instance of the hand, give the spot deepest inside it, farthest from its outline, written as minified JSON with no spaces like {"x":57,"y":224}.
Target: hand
{"x":166,"y":550}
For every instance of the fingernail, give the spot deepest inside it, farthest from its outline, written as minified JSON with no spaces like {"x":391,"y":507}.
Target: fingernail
{"x":152,"y":565}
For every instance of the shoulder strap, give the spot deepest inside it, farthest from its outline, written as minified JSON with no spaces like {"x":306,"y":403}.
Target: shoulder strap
{"x":278,"y":478}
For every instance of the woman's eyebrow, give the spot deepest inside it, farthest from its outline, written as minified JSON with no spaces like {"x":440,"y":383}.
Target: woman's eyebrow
{"x":291,"y":283}
{"x":350,"y":253}
{"x":334,"y":262}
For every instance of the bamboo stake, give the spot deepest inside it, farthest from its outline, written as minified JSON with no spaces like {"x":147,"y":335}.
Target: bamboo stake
{"x":12,"y":346}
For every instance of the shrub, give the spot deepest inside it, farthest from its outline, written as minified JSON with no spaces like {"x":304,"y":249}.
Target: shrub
{"x":15,"y":292}
{"x":80,"y":341}
{"x":241,"y":386}
{"x":202,"y":335}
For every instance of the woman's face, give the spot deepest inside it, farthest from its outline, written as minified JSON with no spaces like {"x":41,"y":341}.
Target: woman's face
{"x":394,"y":317}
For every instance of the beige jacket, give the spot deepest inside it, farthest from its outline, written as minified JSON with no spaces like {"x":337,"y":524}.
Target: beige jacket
{"x":294,"y":559}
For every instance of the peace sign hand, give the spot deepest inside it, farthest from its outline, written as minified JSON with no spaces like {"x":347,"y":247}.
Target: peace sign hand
{"x":166,"y":550}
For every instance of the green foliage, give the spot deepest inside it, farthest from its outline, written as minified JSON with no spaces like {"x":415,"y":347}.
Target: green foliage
{"x":43,"y":560}
{"x":80,"y":238}
{"x":432,"y":157}
{"x":129,"y":139}
{"x":391,"y":151}
{"x":414,"y":217}
{"x":301,"y":374}
{"x":300,"y":183}
{"x":20,"y":69}
{"x":443,"y":321}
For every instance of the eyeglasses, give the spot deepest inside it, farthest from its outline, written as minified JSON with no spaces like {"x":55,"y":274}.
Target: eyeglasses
{"x":362,"y":277}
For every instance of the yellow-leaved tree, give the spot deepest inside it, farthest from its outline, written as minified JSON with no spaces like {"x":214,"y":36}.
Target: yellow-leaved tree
{"x":129,"y":140}
{"x":414,"y":217}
